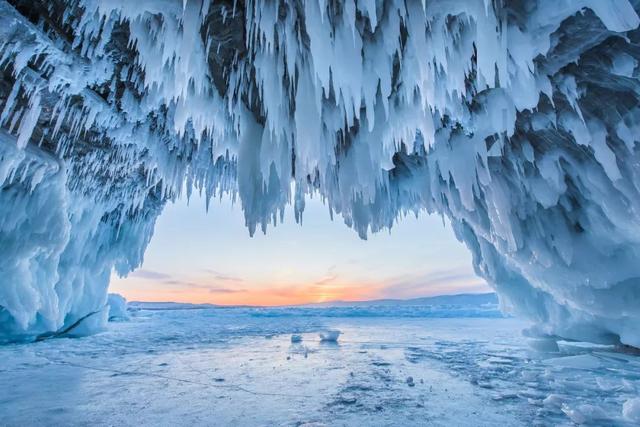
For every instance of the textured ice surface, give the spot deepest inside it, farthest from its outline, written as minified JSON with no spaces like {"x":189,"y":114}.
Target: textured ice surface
{"x":229,"y":367}
{"x":518,"y":120}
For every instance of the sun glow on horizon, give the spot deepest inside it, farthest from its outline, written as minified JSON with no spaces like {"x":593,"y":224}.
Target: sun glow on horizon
{"x":197,"y":257}
{"x":263,"y":297}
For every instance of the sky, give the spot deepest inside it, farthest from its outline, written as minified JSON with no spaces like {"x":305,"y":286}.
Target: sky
{"x":201,"y":257}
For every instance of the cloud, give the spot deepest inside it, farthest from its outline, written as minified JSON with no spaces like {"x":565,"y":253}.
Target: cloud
{"x":170,"y":281}
{"x":150,"y":275}
{"x":212,"y":288}
{"x":329,"y":276}
{"x":223,"y":277}
{"x":225,"y":290}
{"x":326,"y":279}
{"x":453,"y":280}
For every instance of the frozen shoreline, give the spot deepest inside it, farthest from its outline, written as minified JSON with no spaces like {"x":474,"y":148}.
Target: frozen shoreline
{"x":224,"y":367}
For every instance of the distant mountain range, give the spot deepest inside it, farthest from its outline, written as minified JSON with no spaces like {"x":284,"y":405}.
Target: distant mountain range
{"x":161,"y":305}
{"x":439,"y":300}
{"x":457,"y":300}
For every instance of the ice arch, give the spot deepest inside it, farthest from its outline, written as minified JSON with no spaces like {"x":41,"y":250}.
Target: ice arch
{"x":516,"y":119}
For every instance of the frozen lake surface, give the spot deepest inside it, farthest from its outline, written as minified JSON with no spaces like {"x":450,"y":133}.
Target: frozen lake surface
{"x":240,"y":367}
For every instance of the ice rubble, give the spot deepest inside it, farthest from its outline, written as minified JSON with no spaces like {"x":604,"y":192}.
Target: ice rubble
{"x":515,"y":119}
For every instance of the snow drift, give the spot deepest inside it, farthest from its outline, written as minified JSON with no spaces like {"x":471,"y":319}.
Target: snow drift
{"x":518,"y":120}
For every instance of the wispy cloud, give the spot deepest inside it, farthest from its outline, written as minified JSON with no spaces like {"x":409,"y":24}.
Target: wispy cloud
{"x":150,"y":275}
{"x":223,"y":277}
{"x":330,"y":276}
{"x":437,"y":282}
{"x":326,"y":279}
{"x":225,"y":290}
{"x":167,"y":280}
{"x":212,"y":288}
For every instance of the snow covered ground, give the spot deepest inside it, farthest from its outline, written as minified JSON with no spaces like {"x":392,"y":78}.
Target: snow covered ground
{"x":240,"y":367}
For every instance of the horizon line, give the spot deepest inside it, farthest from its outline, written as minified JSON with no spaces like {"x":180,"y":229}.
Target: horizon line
{"x":314,"y":303}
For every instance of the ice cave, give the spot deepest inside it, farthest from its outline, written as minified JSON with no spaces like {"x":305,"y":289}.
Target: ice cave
{"x":518,"y":120}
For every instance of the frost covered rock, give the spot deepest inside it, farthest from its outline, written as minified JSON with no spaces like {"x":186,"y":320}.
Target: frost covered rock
{"x":117,"y":307}
{"x":518,"y":120}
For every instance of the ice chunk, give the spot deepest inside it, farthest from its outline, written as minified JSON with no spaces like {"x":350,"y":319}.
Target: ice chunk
{"x":631,"y":410}
{"x":117,"y":307}
{"x":546,"y":345}
{"x":582,"y":361}
{"x":553,"y":401}
{"x":330,"y":335}
{"x":584,"y":414}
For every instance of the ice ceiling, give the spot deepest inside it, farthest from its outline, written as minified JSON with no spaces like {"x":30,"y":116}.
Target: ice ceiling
{"x":517,"y":119}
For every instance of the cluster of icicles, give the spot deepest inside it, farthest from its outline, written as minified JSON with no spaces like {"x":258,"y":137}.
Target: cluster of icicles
{"x":474,"y":109}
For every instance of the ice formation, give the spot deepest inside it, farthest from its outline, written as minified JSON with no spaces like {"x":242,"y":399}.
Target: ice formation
{"x":117,"y":307}
{"x":631,"y":410}
{"x":330,"y":335}
{"x":515,"y":119}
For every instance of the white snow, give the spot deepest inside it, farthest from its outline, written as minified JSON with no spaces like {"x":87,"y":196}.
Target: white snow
{"x":487,"y":113}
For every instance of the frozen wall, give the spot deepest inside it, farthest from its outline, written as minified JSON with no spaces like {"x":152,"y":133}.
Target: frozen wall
{"x":516,"y":119}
